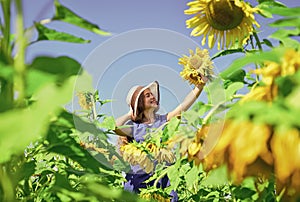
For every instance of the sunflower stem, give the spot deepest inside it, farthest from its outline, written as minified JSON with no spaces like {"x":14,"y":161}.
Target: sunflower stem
{"x":260,"y":49}
{"x":211,"y":112}
{"x":160,"y":177}
{"x":5,"y":30}
{"x":19,"y":62}
{"x":257,"y":41}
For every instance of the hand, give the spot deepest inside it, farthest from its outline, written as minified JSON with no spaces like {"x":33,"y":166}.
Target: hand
{"x":204,"y":78}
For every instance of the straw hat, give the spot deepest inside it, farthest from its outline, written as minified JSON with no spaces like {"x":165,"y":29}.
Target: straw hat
{"x":135,"y":92}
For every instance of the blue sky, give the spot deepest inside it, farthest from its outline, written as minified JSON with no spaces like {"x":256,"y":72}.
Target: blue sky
{"x":147,"y":39}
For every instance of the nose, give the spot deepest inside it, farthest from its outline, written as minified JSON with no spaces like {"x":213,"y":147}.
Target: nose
{"x":152,"y":96}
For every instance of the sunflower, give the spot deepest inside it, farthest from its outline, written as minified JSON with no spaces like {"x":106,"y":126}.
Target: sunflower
{"x":84,"y":100}
{"x":136,"y":156}
{"x":225,"y":21}
{"x":197,"y":67}
{"x":289,"y":65}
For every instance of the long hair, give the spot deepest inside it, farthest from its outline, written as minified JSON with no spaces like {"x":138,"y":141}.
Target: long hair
{"x":140,"y":109}
{"x":123,"y":140}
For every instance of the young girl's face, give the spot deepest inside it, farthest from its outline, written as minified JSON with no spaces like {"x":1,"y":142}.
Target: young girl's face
{"x":149,"y":99}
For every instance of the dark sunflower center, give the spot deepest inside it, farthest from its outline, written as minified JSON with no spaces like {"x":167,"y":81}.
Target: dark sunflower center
{"x":224,"y":14}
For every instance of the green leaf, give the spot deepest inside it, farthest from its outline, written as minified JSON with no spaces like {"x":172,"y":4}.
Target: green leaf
{"x":227,"y":52}
{"x":6,"y":87}
{"x":36,"y":79}
{"x":264,"y":10}
{"x":265,"y":5}
{"x":66,"y":15}
{"x":62,"y":182}
{"x":201,"y":108}
{"x":6,"y":72}
{"x":232,"y":89}
{"x":16,"y":127}
{"x":70,"y":120}
{"x":268,"y":43}
{"x":45,"y":33}
{"x":287,"y":22}
{"x":192,"y":117}
{"x":108,"y":123}
{"x":290,"y":43}
{"x":293,"y":99}
{"x":26,"y":170}
{"x":273,"y":55}
{"x":283,"y":33}
{"x":285,"y":11}
{"x":62,"y":67}
{"x":192,"y":177}
{"x":170,"y":129}
{"x":216,"y":177}
{"x":270,"y":2}
{"x":173,"y":176}
{"x":285,"y":37}
{"x":243,"y":193}
{"x":236,"y":76}
{"x":215,"y":91}
{"x":285,"y":85}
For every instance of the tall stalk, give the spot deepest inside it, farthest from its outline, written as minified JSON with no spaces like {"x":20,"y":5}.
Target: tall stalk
{"x":5,"y":30}
{"x":19,"y":62}
{"x":6,"y":86}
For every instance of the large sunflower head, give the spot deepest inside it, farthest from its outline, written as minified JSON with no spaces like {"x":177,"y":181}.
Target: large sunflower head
{"x":224,"y":21}
{"x":197,"y":66}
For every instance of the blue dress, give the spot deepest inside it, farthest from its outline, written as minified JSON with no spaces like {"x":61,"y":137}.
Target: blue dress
{"x":137,"y":176}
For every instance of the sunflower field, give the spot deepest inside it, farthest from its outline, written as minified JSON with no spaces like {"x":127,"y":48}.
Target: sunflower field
{"x":245,"y":147}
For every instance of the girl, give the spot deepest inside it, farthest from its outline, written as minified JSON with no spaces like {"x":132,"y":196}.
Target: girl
{"x":144,"y":103}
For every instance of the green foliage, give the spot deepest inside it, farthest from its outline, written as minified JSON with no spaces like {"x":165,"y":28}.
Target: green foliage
{"x":50,"y":154}
{"x":45,"y":33}
{"x":66,"y":15}
{"x":256,"y":58}
{"x":46,"y":151}
{"x":15,"y":139}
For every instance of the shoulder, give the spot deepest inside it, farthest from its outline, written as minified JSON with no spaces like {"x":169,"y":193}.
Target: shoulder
{"x":161,"y":117}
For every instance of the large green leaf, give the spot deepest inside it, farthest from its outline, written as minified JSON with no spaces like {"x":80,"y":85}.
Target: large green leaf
{"x":287,"y":22}
{"x":216,"y":177}
{"x":20,"y":127}
{"x":285,"y":37}
{"x":37,"y":79}
{"x":259,"y":57}
{"x":265,"y":5}
{"x":66,"y":15}
{"x":283,"y":33}
{"x":45,"y":33}
{"x":284,"y":11}
{"x":62,"y":67}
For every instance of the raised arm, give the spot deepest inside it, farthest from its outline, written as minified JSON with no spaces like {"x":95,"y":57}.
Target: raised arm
{"x":120,"y":121}
{"x":187,"y":102}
